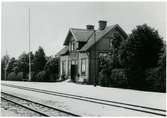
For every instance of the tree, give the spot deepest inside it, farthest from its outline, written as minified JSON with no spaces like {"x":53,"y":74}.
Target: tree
{"x":110,"y":61}
{"x":39,"y":60}
{"x":140,"y":52}
{"x":104,"y":69}
{"x":11,"y":65}
{"x":23,"y":62}
{"x":143,"y":47}
{"x":4,"y":61}
{"x":52,"y":68}
{"x":162,"y":69}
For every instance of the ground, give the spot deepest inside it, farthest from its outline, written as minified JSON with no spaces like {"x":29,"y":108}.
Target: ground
{"x":148,"y":99}
{"x":10,"y":109}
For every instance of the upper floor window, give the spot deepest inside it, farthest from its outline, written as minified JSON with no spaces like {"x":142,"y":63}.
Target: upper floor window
{"x":110,"y":43}
{"x":72,"y":46}
{"x":69,"y":47}
{"x":83,"y":66}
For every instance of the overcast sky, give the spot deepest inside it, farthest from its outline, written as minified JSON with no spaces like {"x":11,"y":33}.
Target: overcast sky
{"x":50,"y":22}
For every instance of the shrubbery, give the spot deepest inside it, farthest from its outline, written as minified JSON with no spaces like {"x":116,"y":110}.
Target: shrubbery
{"x":42,"y":68}
{"x":142,"y":59}
{"x":117,"y":78}
{"x":41,"y":76}
{"x":12,"y":76}
{"x":44,"y":76}
{"x":136,"y":78}
{"x":20,"y":76}
{"x":155,"y":81}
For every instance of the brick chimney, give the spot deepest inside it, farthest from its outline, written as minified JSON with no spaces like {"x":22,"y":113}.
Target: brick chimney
{"x":90,"y":27}
{"x":102,"y":24}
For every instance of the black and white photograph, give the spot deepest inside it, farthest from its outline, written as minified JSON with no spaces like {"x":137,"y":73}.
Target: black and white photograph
{"x":83,"y":59}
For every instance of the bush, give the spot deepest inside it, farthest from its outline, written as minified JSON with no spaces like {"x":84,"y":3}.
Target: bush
{"x":33,"y":76}
{"x":136,"y":78}
{"x":11,"y":76}
{"x":154,"y":80}
{"x":20,"y":76}
{"x":103,"y":79}
{"x":63,"y":77}
{"x":118,"y":78}
{"x":16,"y":76}
{"x":40,"y":76}
{"x":43,"y":76}
{"x":53,"y":77}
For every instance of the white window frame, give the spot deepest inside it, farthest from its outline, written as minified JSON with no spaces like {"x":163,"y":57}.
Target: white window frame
{"x":83,"y":67}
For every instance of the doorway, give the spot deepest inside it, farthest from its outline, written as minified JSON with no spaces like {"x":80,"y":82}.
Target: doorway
{"x":74,"y":72}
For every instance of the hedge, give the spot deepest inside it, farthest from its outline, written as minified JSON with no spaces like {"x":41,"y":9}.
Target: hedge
{"x":155,"y":80}
{"x":116,"y":78}
{"x":12,"y":76}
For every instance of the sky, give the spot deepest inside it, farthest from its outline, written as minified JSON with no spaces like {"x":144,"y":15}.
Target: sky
{"x":50,"y":21}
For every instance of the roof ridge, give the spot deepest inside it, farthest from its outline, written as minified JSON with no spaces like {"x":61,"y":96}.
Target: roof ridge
{"x":80,"y":29}
{"x":90,"y":30}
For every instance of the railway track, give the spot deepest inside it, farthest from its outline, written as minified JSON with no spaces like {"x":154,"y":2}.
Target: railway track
{"x":39,"y":108}
{"x":149,"y":110}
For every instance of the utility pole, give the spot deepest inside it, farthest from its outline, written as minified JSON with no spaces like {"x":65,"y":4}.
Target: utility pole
{"x":5,"y":69}
{"x":6,"y":64}
{"x":29,"y":44}
{"x":95,"y":58}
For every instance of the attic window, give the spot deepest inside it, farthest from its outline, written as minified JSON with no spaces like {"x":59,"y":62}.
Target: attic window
{"x":72,"y":46}
{"x":110,"y":43}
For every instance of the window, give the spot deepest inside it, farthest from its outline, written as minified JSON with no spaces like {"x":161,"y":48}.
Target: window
{"x":63,"y":67}
{"x":102,"y":54}
{"x":83,"y":66}
{"x":72,"y":46}
{"x":110,"y":43}
{"x":69,"y":67}
{"x":74,"y":62}
{"x":69,"y":47}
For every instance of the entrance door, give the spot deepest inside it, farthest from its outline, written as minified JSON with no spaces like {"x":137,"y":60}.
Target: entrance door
{"x":74,"y":71}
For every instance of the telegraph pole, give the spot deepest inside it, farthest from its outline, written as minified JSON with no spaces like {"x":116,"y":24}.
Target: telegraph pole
{"x":6,"y":66}
{"x":7,"y":61}
{"x":29,"y":77}
{"x":95,"y":58}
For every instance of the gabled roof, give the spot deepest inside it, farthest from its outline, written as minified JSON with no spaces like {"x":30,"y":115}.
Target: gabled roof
{"x":81,"y":35}
{"x":63,"y":51}
{"x":84,"y":35}
{"x":100,"y":34}
{"x":96,"y":37}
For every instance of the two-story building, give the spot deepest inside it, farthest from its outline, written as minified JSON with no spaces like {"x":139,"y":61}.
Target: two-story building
{"x":82,"y":48}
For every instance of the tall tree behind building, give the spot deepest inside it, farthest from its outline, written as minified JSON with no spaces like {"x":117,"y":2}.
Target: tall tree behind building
{"x":141,"y":52}
{"x":39,"y":60}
